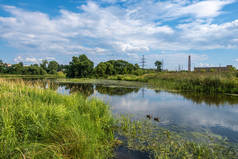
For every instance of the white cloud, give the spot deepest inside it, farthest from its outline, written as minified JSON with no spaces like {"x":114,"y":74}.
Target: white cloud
{"x":137,"y":28}
{"x":32,"y":60}
{"x":171,"y":9}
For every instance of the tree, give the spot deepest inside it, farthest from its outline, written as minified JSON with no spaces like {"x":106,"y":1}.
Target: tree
{"x":44,"y":64}
{"x":158,"y":64}
{"x":80,"y":67}
{"x":101,"y":69}
{"x":53,"y":67}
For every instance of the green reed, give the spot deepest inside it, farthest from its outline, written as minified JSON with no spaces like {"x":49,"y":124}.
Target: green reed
{"x":39,"y":123}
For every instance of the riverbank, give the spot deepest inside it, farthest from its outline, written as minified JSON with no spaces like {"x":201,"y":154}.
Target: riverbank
{"x":207,"y":82}
{"x":122,"y":83}
{"x":40,"y":123}
{"x":14,"y":76}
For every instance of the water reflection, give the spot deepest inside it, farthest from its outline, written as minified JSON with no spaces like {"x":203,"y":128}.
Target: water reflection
{"x":209,"y":99}
{"x":197,"y":98}
{"x":120,"y":91}
{"x":85,"y":89}
{"x":185,"y":110}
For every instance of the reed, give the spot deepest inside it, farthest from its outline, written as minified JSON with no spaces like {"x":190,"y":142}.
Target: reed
{"x":39,"y":123}
{"x":207,"y":82}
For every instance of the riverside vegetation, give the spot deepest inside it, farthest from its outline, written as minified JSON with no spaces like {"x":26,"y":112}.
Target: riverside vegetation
{"x":204,"y":82}
{"x":40,"y":123}
{"x":82,"y":67}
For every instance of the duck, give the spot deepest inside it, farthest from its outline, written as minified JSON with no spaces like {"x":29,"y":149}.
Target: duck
{"x":156,"y":119}
{"x":149,"y":116}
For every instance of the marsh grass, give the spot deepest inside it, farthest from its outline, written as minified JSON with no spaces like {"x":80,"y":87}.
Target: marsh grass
{"x":107,"y":82}
{"x":208,"y":82}
{"x":39,"y":123}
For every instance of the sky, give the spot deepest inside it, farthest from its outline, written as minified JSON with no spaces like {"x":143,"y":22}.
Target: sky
{"x":32,"y":30}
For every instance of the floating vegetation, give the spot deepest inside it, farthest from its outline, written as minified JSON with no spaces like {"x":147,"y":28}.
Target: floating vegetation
{"x":160,"y":143}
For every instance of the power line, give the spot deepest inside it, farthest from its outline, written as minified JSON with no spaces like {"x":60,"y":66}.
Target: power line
{"x":143,"y":62}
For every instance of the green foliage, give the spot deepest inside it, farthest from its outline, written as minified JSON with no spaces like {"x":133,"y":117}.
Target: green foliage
{"x":60,"y":74}
{"x":100,"y":69}
{"x":158,"y":65}
{"x":206,"y":82}
{"x":45,"y":67}
{"x":116,"y":67}
{"x":53,"y":67}
{"x":40,"y":123}
{"x":44,"y":64}
{"x":80,"y":67}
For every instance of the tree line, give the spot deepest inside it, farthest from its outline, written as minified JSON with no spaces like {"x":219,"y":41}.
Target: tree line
{"x":80,"y":66}
{"x":46,"y":67}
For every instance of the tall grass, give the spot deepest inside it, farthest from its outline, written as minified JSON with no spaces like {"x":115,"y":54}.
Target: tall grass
{"x":39,"y":123}
{"x":208,"y":82}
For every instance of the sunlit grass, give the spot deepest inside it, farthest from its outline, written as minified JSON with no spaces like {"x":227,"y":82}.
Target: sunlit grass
{"x":39,"y":123}
{"x":208,"y":82}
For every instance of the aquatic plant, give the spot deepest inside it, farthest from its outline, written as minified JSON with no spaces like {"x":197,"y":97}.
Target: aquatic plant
{"x":163,"y":144}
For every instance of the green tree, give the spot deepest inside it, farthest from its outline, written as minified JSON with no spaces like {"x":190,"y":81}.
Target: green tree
{"x":100,"y":69}
{"x":158,"y":65}
{"x":53,"y":67}
{"x":44,"y":64}
{"x":80,"y":67}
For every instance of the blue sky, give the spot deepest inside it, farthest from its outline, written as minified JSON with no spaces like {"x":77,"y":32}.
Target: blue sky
{"x":32,"y":30}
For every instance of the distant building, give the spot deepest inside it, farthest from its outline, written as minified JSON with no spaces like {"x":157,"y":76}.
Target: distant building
{"x":9,"y":65}
{"x":213,"y":69}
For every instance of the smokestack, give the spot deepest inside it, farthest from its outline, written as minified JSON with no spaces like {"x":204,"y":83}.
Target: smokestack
{"x":189,"y":63}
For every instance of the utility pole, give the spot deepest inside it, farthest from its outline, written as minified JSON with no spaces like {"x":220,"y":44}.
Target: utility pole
{"x":143,"y":62}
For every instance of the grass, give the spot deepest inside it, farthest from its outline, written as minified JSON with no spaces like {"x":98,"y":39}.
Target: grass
{"x":101,"y":82}
{"x":39,"y":123}
{"x":14,"y":76}
{"x":208,"y":82}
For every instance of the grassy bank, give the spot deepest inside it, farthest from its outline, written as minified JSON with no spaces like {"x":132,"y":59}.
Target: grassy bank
{"x":101,"y":82}
{"x":39,"y":123}
{"x":14,"y":76}
{"x":210,"y":82}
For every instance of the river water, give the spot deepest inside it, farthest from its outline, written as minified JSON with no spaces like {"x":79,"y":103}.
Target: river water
{"x":184,"y":112}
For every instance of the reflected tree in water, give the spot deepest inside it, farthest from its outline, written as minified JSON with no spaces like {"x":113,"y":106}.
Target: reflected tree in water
{"x":209,"y":99}
{"x":115,"y":90}
{"x":85,"y":89}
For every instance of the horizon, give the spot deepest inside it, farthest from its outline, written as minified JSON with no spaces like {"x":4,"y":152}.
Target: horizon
{"x":105,"y":30}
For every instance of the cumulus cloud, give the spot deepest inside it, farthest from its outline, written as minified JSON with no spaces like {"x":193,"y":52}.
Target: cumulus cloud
{"x":32,"y":59}
{"x":122,"y":31}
